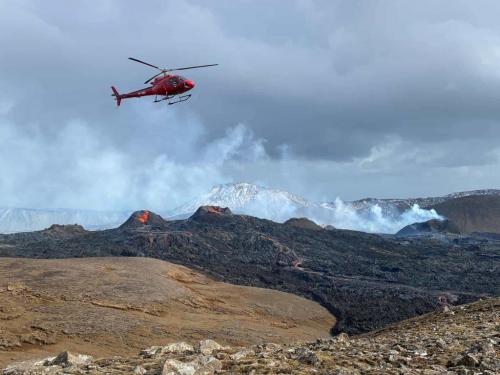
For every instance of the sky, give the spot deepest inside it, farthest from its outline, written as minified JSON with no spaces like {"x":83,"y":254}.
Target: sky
{"x":325,"y":99}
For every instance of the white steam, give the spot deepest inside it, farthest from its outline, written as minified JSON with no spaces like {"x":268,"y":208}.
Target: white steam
{"x":375,"y":219}
{"x":78,"y":168}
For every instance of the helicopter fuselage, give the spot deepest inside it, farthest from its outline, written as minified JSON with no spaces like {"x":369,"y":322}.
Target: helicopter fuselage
{"x":170,"y":85}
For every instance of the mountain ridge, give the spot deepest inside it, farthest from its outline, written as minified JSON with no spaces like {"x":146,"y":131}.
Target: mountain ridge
{"x":367,"y":214}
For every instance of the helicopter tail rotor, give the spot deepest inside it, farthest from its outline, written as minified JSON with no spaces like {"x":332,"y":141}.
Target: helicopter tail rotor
{"x":117,"y":95}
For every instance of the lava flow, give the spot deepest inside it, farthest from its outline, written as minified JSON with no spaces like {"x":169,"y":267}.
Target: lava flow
{"x":143,"y":217}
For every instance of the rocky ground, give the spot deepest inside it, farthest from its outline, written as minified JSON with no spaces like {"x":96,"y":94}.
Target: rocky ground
{"x":117,"y":306}
{"x":366,"y":281}
{"x":457,"y":340}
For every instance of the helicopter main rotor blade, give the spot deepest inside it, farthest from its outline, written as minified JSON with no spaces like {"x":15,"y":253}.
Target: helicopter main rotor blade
{"x":143,"y":62}
{"x":156,"y":75}
{"x":192,"y":67}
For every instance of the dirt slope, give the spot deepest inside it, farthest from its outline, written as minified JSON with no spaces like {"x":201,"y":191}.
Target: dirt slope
{"x":108,"y":306}
{"x":475,"y":213}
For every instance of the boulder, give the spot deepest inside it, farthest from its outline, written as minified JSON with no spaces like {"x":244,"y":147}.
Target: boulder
{"x":208,"y":365}
{"x":206,"y":347}
{"x":174,"y":348}
{"x":204,"y":365}
{"x":175,"y":367}
{"x":67,"y":359}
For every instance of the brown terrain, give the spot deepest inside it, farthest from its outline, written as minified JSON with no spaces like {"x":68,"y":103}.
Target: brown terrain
{"x":474,"y":213}
{"x":365,"y":280}
{"x":456,"y":340}
{"x":117,"y":306}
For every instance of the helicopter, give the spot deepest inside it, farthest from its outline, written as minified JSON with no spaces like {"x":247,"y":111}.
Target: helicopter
{"x":164,"y":86}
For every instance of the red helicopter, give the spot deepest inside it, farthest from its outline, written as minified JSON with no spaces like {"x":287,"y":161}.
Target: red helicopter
{"x":164,"y":86}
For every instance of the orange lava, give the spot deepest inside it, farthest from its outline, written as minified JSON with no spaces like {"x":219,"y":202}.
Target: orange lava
{"x":143,"y":217}
{"x":215,"y":210}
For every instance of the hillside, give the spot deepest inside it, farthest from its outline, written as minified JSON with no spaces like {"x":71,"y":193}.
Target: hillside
{"x":462,"y":340}
{"x":474,"y":213}
{"x":117,"y":306}
{"x":365,"y":280}
{"x":402,"y":204}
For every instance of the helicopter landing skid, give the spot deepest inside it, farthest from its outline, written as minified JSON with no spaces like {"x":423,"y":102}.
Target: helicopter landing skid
{"x":182,"y":98}
{"x":179,"y":99}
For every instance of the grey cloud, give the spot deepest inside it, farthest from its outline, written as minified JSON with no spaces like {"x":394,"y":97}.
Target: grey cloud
{"x":329,"y":81}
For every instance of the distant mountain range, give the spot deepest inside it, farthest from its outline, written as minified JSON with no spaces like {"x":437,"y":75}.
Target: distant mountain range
{"x":29,"y":219}
{"x":369,"y":214}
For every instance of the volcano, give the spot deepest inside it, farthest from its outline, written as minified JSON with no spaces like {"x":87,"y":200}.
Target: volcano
{"x":144,"y":219}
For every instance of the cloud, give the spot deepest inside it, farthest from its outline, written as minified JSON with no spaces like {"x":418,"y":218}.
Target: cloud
{"x":78,"y":169}
{"x":387,"y":98}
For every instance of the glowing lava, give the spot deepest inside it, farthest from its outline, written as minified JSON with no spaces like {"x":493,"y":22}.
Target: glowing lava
{"x":143,"y":217}
{"x":215,"y":210}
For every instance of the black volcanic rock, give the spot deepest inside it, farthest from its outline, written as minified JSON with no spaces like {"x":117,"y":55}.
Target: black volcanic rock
{"x":144,"y":218}
{"x":367,"y":281}
{"x":64,"y":231}
{"x":302,"y":222}
{"x":432,"y":226}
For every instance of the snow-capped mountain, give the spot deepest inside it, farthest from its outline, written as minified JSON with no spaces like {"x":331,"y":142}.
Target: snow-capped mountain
{"x":249,"y":199}
{"x":369,"y":215}
{"x":27,"y":219}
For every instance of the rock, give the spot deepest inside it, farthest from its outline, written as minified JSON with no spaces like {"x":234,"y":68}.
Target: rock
{"x":139,"y":370}
{"x":175,"y":367}
{"x":440,"y":343}
{"x":343,"y":337}
{"x":178,"y":347}
{"x":206,"y":347}
{"x":468,"y":360}
{"x":174,"y":348}
{"x":150,"y":352}
{"x":307,"y":356}
{"x":208,"y":365}
{"x":241,"y":354}
{"x":205,"y":365}
{"x":67,"y":359}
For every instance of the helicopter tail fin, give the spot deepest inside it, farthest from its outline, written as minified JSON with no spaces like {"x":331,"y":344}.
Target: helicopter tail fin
{"x":117,"y":96}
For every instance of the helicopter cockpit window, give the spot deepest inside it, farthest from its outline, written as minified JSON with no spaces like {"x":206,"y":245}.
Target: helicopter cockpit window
{"x":174,"y":81}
